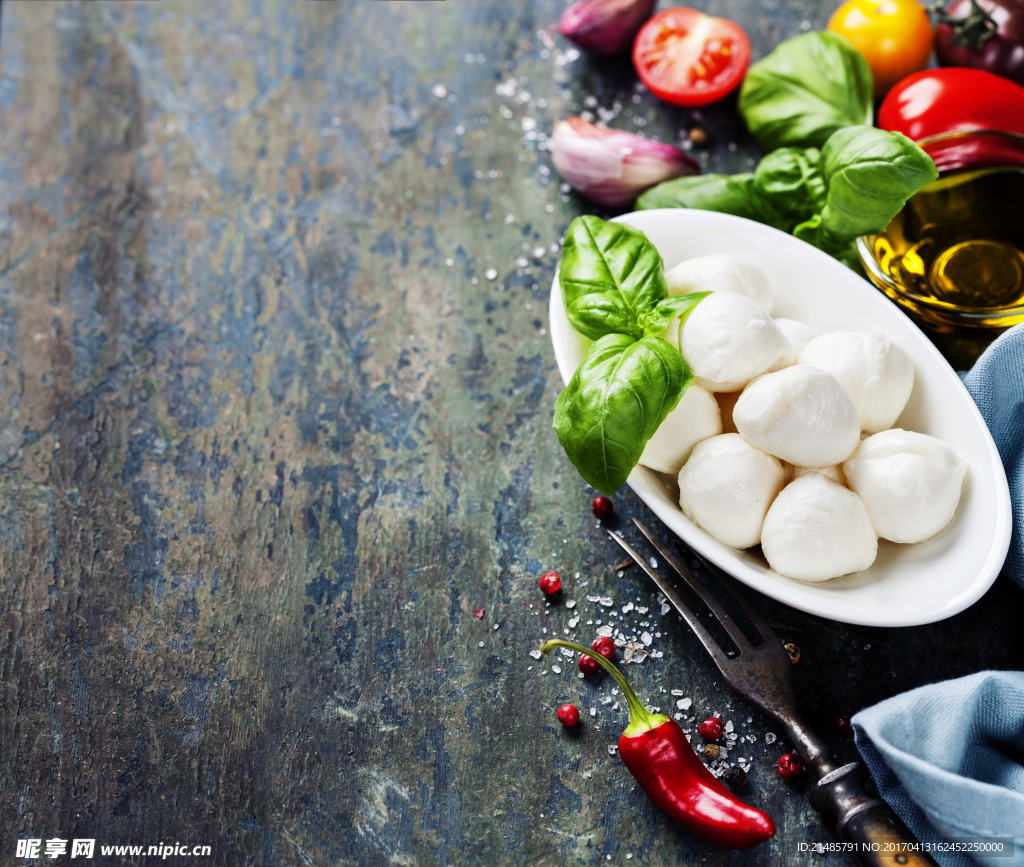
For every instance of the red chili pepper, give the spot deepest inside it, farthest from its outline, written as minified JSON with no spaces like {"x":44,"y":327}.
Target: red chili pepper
{"x":657,"y":754}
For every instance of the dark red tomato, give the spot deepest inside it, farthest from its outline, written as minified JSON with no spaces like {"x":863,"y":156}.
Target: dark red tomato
{"x":689,"y":58}
{"x":956,"y":100}
{"x":992,"y":39}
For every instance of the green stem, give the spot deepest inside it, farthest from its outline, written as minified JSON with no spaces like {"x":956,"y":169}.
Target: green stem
{"x":640,"y":718}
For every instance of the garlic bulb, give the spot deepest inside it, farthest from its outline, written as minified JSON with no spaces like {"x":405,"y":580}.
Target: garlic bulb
{"x":604,"y":26}
{"x":611,"y":167}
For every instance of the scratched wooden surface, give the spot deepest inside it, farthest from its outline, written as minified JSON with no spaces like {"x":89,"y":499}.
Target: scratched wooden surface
{"x":270,"y":433}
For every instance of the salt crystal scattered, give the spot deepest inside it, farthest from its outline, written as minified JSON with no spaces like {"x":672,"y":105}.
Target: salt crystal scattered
{"x":646,"y":639}
{"x":627,"y":607}
{"x":491,"y":274}
{"x":677,"y":692}
{"x":683,"y":703}
{"x":556,"y":669}
{"x":593,"y":711}
{"x":536,"y":654}
{"x":612,"y":749}
{"x":567,"y":652}
{"x":604,"y":632}
{"x":653,"y":562}
{"x":440,"y":91}
{"x":573,"y":622}
{"x":481,"y":644}
{"x":729,"y":726}
{"x":770,"y":738}
{"x":572,"y":602}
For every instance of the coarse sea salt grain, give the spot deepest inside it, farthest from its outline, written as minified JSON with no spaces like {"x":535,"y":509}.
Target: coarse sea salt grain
{"x":593,"y":711}
{"x":567,"y":652}
{"x":612,"y":749}
{"x":571,"y":603}
{"x":556,"y":669}
{"x":683,"y":703}
{"x":770,"y":738}
{"x":536,"y":654}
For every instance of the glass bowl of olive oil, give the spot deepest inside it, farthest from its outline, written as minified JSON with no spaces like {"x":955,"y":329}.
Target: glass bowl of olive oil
{"x":953,"y":258}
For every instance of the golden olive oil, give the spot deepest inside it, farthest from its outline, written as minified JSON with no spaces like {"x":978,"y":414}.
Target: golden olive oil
{"x":958,"y":246}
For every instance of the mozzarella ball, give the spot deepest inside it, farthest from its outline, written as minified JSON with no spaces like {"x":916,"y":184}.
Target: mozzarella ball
{"x":726,"y":403}
{"x":728,"y":340}
{"x":695,"y":418}
{"x":910,"y":483}
{"x":726,"y":488}
{"x":722,"y":273}
{"x":835,"y":473}
{"x":799,"y":334}
{"x":800,"y":414}
{"x":875,"y":372}
{"x":817,"y":530}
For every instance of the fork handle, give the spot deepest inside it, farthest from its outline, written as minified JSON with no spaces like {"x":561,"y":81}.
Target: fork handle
{"x":880,"y":837}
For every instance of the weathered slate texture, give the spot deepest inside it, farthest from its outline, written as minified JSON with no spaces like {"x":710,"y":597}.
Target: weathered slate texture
{"x":269,"y":434}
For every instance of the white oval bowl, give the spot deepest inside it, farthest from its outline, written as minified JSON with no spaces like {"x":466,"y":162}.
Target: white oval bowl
{"x":907,"y":585}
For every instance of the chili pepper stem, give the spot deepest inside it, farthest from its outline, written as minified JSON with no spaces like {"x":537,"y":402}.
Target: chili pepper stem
{"x":640,"y":718}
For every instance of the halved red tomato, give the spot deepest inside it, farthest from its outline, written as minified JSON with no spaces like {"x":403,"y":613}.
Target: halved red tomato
{"x":689,"y":58}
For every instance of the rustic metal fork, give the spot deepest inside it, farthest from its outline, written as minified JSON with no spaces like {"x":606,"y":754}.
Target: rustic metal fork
{"x":761,"y":674}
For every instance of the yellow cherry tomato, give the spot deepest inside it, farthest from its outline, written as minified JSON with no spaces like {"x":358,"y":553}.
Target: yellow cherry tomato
{"x":895,"y":37}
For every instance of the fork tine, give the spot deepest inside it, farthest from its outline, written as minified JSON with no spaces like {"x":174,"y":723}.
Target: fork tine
{"x":728,"y":623}
{"x":710,"y":645}
{"x":767,"y":633}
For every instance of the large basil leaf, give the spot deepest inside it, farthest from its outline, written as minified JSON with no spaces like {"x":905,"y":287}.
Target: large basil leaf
{"x":729,"y":194}
{"x":869,"y":174}
{"x":781,"y":192}
{"x":854,"y":186}
{"x":805,"y":90}
{"x":611,"y":277}
{"x":788,"y":180}
{"x":615,"y":401}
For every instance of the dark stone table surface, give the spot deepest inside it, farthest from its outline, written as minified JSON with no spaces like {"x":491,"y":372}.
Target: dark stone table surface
{"x":270,"y":434}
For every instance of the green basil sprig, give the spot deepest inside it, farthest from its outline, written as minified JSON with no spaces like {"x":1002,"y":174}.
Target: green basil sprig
{"x":613,"y":281}
{"x":805,"y":90}
{"x":869,"y":175}
{"x":782,"y":191}
{"x":614,"y":290}
{"x":615,"y":401}
{"x":854,"y":186}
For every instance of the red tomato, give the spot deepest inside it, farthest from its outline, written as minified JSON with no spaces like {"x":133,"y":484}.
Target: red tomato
{"x":955,"y":100}
{"x":952,"y":100}
{"x":689,"y":58}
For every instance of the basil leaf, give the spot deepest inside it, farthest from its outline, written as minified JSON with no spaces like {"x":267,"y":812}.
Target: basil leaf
{"x":869,"y":174}
{"x":615,"y":401}
{"x":611,"y":276}
{"x":669,"y":309}
{"x":781,"y":192}
{"x":789,"y":182}
{"x":805,"y":90}
{"x":729,"y":194}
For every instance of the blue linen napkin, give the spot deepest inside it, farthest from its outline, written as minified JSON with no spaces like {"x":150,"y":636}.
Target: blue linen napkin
{"x":949,"y":759}
{"x":996,"y":382}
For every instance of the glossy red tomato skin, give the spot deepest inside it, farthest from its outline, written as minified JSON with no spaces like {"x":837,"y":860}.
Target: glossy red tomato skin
{"x":952,"y":99}
{"x":667,"y":80}
{"x":1002,"y":53}
{"x":928,"y":104}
